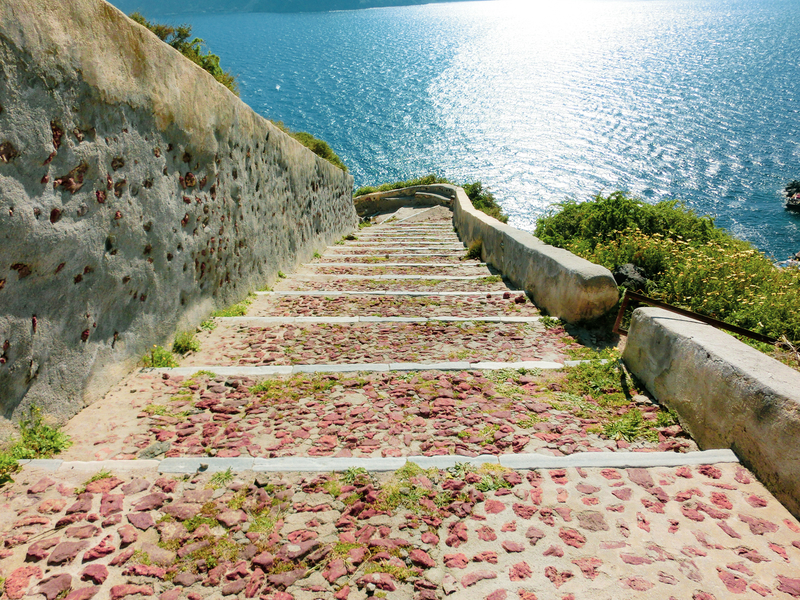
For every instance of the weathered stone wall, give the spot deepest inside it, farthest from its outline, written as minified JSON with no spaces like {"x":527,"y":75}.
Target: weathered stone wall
{"x":727,"y":394}
{"x":136,"y":195}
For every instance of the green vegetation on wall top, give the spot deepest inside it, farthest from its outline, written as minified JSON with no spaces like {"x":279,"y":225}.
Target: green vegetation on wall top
{"x":193,"y":49}
{"x":178,"y":38}
{"x":316,"y":145}
{"x":481,"y":198}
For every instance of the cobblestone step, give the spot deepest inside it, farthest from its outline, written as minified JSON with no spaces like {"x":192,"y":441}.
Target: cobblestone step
{"x":391,"y":305}
{"x":379,"y":342}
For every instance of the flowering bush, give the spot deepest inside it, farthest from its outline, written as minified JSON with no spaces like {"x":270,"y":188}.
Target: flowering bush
{"x":691,"y":263}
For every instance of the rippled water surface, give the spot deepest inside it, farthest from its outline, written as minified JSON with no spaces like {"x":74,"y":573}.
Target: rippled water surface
{"x":542,"y":101}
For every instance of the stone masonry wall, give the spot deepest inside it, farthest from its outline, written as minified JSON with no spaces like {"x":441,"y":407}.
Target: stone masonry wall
{"x":136,"y":195}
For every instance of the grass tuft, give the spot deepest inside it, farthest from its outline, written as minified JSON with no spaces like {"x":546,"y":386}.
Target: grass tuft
{"x":237,"y":310}
{"x":37,"y":440}
{"x":474,"y":250}
{"x":185,"y":342}
{"x":159,"y":357}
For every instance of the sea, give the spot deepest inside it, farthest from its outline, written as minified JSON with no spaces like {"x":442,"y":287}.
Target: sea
{"x":543,"y":101}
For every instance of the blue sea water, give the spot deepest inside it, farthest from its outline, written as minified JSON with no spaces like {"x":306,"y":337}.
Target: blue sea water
{"x":690,"y":99}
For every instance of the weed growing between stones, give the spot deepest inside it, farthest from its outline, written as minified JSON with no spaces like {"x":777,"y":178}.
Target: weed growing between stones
{"x":37,"y":439}
{"x":237,"y":310}
{"x":222,"y":478}
{"x":99,"y":476}
{"x":208,"y":325}
{"x":185,"y":342}
{"x":474,"y":250}
{"x":159,"y":357}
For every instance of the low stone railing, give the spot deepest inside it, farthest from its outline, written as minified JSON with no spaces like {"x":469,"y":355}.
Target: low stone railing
{"x":726,"y":394}
{"x":560,"y":283}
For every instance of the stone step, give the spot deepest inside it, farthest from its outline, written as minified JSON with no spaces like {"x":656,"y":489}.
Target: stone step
{"x":255,"y":321}
{"x":395,"y":410}
{"x":332,"y":464}
{"x":397,"y":277}
{"x":304,"y":342}
{"x":391,"y":284}
{"x":481,"y":529}
{"x":408,"y":265}
{"x":367,"y":244}
{"x":374,"y":271}
{"x":335,"y":252}
{"x":345,"y":305}
{"x":417,"y":256}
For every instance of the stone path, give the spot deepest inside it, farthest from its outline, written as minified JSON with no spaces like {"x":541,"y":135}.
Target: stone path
{"x":463,"y":480}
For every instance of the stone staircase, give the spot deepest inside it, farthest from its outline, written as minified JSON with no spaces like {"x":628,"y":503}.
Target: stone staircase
{"x":391,"y":420}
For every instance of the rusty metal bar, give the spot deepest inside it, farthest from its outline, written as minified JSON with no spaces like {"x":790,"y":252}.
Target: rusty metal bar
{"x":634,"y":298}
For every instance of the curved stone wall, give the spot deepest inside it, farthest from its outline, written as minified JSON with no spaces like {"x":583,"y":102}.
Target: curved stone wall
{"x":561,"y":283}
{"x":136,"y":195}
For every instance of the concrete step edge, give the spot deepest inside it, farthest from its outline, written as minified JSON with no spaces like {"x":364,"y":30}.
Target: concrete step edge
{"x":384,"y":293}
{"x":370,"y":319}
{"x":586,"y":460}
{"x":277,"y":370}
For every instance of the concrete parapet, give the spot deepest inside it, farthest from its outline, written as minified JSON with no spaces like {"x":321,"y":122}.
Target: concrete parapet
{"x":417,"y":196}
{"x":727,"y":394}
{"x":564,"y":285}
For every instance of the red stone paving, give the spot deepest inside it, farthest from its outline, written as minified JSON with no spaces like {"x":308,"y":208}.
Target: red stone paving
{"x":365,"y":415}
{"x":377,"y":269}
{"x":463,"y":533}
{"x":378,"y":260}
{"x":336,"y":250}
{"x":306,"y":343}
{"x":393,"y":306}
{"x":489,"y":284}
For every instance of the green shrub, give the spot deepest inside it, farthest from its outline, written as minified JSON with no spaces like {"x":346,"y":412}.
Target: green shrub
{"x":159,"y":357}
{"x":37,"y":439}
{"x":319,"y":147}
{"x":691,"y":263}
{"x":609,"y":218}
{"x":474,"y":250}
{"x":185,"y":342}
{"x":316,"y":145}
{"x":481,"y":199}
{"x":178,"y":38}
{"x":484,"y":201}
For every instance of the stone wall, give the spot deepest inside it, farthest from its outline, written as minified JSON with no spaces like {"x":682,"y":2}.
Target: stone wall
{"x":726,"y":394}
{"x":136,"y":196}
